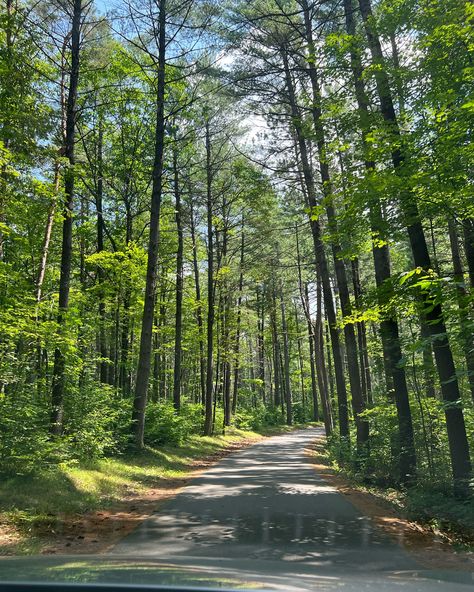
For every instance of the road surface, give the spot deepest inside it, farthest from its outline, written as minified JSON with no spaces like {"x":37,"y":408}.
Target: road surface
{"x":266,"y":506}
{"x":260,"y":519}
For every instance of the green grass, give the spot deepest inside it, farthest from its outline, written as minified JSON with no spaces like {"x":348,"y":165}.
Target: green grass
{"x":84,"y":487}
{"x":37,"y":501}
{"x":28,"y":501}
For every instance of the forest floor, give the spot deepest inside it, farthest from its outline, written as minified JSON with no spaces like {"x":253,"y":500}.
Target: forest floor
{"x":87,"y":508}
{"x":433,"y":546}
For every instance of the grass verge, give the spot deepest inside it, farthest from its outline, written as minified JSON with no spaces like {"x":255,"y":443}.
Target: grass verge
{"x":87,"y":507}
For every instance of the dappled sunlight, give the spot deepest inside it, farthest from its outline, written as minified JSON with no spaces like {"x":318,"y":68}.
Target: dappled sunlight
{"x":267,"y":504}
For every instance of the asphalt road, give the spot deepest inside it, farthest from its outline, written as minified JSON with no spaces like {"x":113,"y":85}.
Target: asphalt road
{"x":266,"y":507}
{"x":260,"y":519}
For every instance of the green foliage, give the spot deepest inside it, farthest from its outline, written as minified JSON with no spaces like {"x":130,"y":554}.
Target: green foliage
{"x":258,"y":418}
{"x":97,"y":425}
{"x":25,"y":444}
{"x":166,"y":426}
{"x":441,"y":510}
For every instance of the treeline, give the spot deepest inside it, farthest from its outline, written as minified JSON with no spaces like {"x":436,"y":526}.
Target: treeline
{"x":238,"y":213}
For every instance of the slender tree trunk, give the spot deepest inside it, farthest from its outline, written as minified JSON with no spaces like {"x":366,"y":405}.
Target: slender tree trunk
{"x":276,"y":351}
{"x":161,"y":332}
{"x":100,"y":247}
{"x":178,"y":325}
{"x":312,"y":360}
{"x":366,"y":378}
{"x":202,"y":362}
{"x":125,"y":377}
{"x":260,"y":338}
{"x":467,"y":337}
{"x":320,"y":257}
{"x":59,"y":370}
{"x":226,"y":371}
{"x":322,"y":374}
{"x":239,"y":322}
{"x":300,"y":362}
{"x":286,"y":357}
{"x":304,"y":296}
{"x":48,"y":231}
{"x":358,"y":402}
{"x":144,"y":356}
{"x":210,"y":288}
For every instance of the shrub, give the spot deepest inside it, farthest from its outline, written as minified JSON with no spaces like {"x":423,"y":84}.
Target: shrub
{"x":257,"y":418}
{"x":163,"y":425}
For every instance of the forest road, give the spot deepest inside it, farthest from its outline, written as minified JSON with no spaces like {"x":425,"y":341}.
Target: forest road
{"x":265,"y":508}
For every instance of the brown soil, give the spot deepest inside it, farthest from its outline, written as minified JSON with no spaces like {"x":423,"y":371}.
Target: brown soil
{"x":429,"y":549}
{"x":98,"y":531}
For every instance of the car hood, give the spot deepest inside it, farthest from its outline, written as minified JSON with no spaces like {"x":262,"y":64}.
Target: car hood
{"x":224,"y":574}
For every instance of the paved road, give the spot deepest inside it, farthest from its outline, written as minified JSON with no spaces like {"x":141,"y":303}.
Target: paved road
{"x":267,"y":503}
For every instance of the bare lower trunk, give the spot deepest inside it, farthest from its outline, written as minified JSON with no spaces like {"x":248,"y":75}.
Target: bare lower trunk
{"x":286,"y":357}
{"x":208,"y":421}
{"x":178,"y":325}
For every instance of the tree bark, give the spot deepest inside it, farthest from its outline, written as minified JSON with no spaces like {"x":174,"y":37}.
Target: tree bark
{"x":320,"y":257}
{"x":260,"y":338}
{"x":100,"y":247}
{"x":239,"y":322}
{"x":286,"y":357}
{"x":358,"y":403}
{"x":144,"y":357}
{"x":276,"y":350}
{"x":59,"y":370}
{"x":178,"y":325}
{"x":197,"y":285}
{"x":210,"y":288}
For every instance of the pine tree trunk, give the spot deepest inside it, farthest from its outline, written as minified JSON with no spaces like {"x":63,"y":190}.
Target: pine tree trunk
{"x":286,"y":357}
{"x":320,"y":260}
{"x":395,"y":373}
{"x":144,"y":356}
{"x":178,"y":325}
{"x":276,"y":351}
{"x":358,"y":402}
{"x":59,"y":370}
{"x":300,"y":362}
{"x":322,"y":373}
{"x":239,"y":322}
{"x":260,"y":339}
{"x":100,"y":247}
{"x":364,"y":363}
{"x":202,"y":362}
{"x":210,"y":290}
